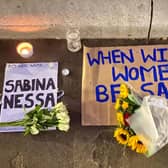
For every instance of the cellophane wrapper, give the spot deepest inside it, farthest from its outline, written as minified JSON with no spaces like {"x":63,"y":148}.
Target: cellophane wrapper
{"x":151,"y":122}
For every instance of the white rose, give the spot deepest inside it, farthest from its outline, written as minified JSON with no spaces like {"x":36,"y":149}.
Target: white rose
{"x":60,"y":107}
{"x":34,"y":130}
{"x":63,"y":127}
{"x":63,"y":117}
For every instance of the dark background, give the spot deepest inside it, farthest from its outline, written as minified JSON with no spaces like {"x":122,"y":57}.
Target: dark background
{"x":81,"y":147}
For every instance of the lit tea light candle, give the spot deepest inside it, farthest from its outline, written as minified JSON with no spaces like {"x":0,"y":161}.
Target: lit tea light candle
{"x":25,"y":49}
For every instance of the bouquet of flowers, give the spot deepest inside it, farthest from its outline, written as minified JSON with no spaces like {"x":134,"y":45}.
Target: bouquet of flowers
{"x":40,"y":119}
{"x":142,"y":122}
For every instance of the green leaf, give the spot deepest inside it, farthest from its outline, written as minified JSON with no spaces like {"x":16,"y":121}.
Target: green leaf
{"x":37,"y":108}
{"x":135,"y":98}
{"x":27,"y":131}
{"x":132,"y":98}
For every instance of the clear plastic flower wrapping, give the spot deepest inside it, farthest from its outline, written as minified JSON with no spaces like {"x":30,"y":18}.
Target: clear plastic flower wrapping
{"x":150,"y":121}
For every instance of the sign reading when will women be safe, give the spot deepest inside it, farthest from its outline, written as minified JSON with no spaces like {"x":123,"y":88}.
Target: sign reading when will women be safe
{"x":27,"y":85}
{"x":104,"y":68}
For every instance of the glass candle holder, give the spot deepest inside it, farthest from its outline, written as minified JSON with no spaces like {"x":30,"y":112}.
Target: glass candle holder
{"x":25,"y":49}
{"x":73,"y":40}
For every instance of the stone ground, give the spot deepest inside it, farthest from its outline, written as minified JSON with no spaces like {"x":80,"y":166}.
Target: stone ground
{"x":81,"y":147}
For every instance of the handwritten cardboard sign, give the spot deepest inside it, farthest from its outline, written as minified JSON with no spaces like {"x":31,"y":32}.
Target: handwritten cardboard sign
{"x":104,"y":68}
{"x":25,"y":86}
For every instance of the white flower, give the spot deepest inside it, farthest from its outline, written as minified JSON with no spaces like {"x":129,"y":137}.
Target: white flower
{"x":63,"y":127}
{"x":61,"y":113}
{"x":63,"y":117}
{"x":34,"y":130}
{"x":60,"y":107}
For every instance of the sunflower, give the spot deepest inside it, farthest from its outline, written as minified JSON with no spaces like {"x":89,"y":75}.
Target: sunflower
{"x":120,"y":118}
{"x":125,"y":105}
{"x":117,"y":104}
{"x":123,"y":91}
{"x":136,"y":144}
{"x":121,"y":135}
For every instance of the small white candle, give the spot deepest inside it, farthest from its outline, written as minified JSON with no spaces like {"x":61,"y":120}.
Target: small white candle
{"x":65,"y":72}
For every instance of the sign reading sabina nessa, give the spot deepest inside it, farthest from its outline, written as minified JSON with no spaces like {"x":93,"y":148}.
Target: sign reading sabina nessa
{"x":27,"y":85}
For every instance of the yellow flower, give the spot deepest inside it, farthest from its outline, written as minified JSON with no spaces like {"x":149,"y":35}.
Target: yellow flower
{"x":132,"y":142}
{"x":121,"y":135}
{"x":136,"y":144}
{"x":117,"y":104}
{"x":123,"y":91}
{"x":124,"y":105}
{"x":120,"y":118}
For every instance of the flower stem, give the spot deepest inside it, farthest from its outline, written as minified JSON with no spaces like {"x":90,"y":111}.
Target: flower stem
{"x":12,"y":123}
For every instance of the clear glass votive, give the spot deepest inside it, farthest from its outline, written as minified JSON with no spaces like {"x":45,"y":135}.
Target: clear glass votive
{"x":73,"y":40}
